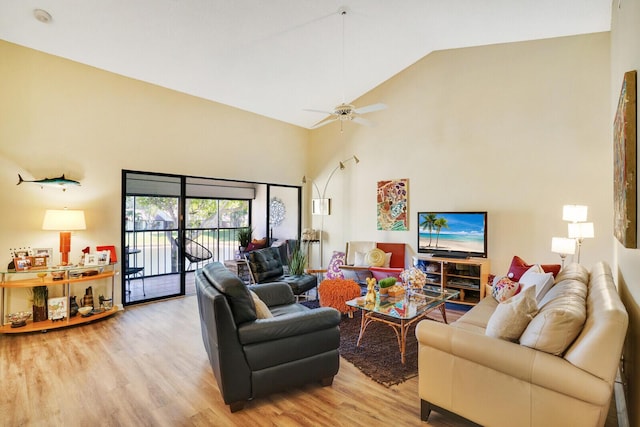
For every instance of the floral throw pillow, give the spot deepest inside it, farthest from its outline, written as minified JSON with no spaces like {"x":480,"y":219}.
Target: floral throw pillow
{"x":504,"y":288}
{"x":333,"y":270}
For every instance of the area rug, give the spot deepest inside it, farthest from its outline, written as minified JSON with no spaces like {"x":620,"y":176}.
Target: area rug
{"x":378,"y":355}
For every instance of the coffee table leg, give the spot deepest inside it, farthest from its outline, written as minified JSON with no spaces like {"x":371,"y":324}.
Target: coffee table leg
{"x":363,"y":325}
{"x":443,"y":310}
{"x":403,"y":344}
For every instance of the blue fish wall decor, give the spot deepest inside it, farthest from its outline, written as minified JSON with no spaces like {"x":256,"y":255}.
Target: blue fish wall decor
{"x":60,"y":181}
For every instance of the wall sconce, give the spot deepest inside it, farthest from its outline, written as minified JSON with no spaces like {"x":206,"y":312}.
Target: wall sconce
{"x":581,"y":231}
{"x":65,"y":221}
{"x":563,"y":246}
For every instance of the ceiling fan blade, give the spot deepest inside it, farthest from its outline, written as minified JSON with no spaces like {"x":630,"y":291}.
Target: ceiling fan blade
{"x":324,"y":122}
{"x":318,"y":111}
{"x":362,"y":121}
{"x":370,"y":108}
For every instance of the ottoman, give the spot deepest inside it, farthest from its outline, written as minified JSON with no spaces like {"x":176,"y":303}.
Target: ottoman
{"x":335,"y":292}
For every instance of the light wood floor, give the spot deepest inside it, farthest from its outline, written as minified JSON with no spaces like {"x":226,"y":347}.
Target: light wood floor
{"x":147,"y":366}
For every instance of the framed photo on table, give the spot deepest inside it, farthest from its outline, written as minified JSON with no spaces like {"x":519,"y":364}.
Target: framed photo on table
{"x":97,"y":258}
{"x":44,"y":252}
{"x":113,"y":257}
{"x":22,"y":263}
{"x":57,"y":308}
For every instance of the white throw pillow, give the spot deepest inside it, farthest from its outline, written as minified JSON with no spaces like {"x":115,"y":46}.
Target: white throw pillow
{"x":360,"y":260}
{"x":262,"y":311}
{"x":387,"y":259}
{"x":537,"y":278}
{"x":504,"y":288}
{"x":512,"y":316}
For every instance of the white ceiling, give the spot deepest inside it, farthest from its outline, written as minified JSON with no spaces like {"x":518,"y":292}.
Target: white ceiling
{"x":278,"y":57}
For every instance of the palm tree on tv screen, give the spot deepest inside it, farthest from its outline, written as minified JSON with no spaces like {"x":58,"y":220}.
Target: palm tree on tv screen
{"x":428,"y":224}
{"x":438,"y":224}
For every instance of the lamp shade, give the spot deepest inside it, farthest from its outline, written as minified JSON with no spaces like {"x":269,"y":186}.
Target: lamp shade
{"x":581,"y":230}
{"x":563,"y":245}
{"x":64,"y":220}
{"x":574,"y":213}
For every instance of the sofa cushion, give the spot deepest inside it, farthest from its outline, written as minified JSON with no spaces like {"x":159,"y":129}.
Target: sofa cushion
{"x":236,"y":292}
{"x":512,"y":316}
{"x":375,"y":258}
{"x":265,"y":264}
{"x":262,"y":311}
{"x":504,"y":288}
{"x":574,"y":271}
{"x":519,"y":267}
{"x":333,"y":270}
{"x":537,"y":278}
{"x":359,"y":260}
{"x":560,"y":319}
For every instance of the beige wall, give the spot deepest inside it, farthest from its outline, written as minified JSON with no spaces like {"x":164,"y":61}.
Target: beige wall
{"x":625,"y":56}
{"x":515,"y":129}
{"x":57,"y":116}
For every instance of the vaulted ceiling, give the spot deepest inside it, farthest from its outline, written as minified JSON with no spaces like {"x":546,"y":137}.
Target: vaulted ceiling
{"x":277,"y":58}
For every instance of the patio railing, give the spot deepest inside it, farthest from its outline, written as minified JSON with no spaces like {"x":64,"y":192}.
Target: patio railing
{"x":157,"y":252}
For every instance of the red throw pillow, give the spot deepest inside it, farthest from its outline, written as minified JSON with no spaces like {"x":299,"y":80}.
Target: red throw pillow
{"x":518,"y":268}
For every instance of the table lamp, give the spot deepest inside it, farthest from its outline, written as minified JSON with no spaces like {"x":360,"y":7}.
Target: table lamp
{"x":563,"y":246}
{"x":65,"y":221}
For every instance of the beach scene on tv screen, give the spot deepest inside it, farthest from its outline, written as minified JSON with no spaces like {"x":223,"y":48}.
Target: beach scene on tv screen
{"x":451,"y":232}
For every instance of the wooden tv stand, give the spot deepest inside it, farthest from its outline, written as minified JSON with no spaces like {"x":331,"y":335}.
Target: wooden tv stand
{"x":469,"y":276}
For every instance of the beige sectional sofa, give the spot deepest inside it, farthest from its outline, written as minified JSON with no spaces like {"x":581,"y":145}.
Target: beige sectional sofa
{"x":497,"y":382}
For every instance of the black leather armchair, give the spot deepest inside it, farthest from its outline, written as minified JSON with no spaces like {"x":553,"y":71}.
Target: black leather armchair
{"x":266,"y":265}
{"x":253,"y":357}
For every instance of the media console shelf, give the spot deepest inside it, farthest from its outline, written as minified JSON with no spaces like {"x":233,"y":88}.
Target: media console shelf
{"x":468,"y":276}
{"x":12,"y":279}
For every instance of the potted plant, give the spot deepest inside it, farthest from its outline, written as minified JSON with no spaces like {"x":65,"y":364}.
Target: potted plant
{"x":298,"y":261}
{"x":244,"y":237}
{"x":385,"y":284}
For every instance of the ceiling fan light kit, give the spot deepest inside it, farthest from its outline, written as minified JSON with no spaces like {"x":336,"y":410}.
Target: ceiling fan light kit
{"x":347,"y":112}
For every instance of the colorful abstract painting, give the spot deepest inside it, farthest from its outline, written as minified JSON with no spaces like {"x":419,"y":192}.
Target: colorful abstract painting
{"x":624,"y":164}
{"x":392,"y":201}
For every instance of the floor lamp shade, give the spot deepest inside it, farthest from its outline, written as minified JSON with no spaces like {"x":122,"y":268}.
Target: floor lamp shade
{"x":65,"y":221}
{"x":574,"y":213}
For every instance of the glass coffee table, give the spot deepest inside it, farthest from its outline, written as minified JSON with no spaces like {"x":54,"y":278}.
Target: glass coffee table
{"x":402,"y":311}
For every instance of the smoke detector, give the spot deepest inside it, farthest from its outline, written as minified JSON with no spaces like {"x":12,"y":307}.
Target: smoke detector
{"x":42,"y":15}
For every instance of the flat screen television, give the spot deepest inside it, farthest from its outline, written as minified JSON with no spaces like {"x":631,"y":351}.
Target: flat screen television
{"x":453,"y":234}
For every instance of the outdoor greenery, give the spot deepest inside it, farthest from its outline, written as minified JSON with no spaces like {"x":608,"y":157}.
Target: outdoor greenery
{"x":158,"y":213}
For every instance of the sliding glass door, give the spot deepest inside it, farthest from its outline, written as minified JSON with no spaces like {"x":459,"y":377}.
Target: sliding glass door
{"x":173,"y":225}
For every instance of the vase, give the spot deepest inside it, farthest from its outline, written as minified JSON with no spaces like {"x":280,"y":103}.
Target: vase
{"x":39,"y":308}
{"x":73,"y":306}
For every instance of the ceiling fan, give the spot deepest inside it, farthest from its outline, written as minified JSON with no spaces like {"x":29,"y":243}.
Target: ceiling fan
{"x":347,"y":112}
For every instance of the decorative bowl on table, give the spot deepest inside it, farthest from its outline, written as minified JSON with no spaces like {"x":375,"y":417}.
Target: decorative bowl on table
{"x":19,"y":318}
{"x":84,"y":311}
{"x":57,"y":275}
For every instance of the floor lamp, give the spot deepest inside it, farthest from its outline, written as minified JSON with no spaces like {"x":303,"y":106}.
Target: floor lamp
{"x":581,"y":231}
{"x":324,"y":203}
{"x":563,"y":246}
{"x":65,"y":221}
